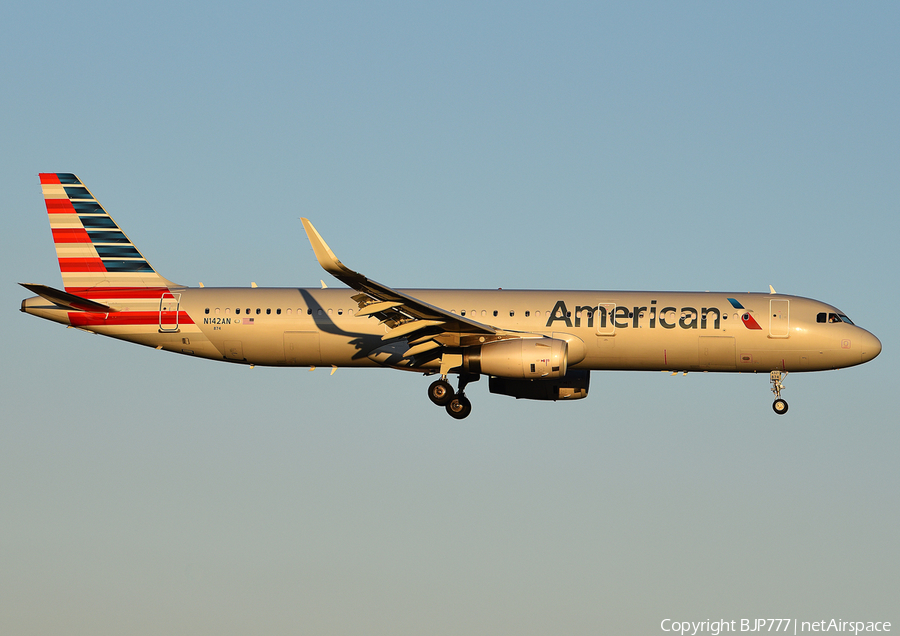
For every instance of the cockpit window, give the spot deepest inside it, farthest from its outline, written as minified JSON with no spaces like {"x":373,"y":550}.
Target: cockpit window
{"x":832,"y":317}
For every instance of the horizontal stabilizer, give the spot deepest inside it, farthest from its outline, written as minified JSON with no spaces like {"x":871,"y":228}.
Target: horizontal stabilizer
{"x":67,"y":300}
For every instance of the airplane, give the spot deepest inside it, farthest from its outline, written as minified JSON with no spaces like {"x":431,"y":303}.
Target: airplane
{"x":538,"y":345}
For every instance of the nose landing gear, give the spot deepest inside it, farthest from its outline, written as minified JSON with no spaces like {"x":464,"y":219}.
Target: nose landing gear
{"x":457,"y":404}
{"x":780,"y":406}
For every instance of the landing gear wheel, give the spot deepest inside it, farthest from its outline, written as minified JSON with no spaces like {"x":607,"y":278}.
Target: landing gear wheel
{"x":440,"y":392}
{"x":779,"y":405}
{"x":459,"y":407}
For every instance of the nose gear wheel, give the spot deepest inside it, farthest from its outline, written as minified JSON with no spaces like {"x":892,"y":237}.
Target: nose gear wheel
{"x":780,"y":405}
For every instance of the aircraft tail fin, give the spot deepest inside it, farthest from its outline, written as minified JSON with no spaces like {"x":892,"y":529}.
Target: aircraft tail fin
{"x":93,"y":251}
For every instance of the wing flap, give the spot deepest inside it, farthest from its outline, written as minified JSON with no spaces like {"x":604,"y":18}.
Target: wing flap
{"x":421,"y":348}
{"x":373,"y":308}
{"x":410,"y":327}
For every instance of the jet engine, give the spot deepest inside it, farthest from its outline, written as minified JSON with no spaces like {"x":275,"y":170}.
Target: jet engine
{"x":519,"y":358}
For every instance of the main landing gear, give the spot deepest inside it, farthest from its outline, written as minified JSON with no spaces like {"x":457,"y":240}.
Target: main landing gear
{"x":780,"y":406}
{"x":456,"y":403}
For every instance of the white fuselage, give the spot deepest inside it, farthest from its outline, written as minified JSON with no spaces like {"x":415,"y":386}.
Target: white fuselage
{"x":625,"y":330}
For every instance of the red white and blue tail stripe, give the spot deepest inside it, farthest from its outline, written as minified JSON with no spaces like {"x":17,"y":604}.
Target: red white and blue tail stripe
{"x":109,"y":286}
{"x":93,"y":251}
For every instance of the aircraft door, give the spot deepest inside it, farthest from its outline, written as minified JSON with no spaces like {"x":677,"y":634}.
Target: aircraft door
{"x":168,"y":312}
{"x":779,"y":318}
{"x":717,"y":353}
{"x":302,"y":348}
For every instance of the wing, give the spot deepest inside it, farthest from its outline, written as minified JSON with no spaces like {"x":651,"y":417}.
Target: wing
{"x":425,"y":326}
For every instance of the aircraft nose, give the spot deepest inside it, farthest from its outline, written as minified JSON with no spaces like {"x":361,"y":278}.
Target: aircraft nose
{"x":871,"y":347}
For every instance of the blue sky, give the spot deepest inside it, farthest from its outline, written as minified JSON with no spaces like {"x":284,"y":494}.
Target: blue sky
{"x":697,"y":146}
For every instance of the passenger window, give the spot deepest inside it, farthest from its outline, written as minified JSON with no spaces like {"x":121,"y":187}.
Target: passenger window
{"x":462,"y":313}
{"x":217,"y":311}
{"x":512,"y":313}
{"x":247,"y":311}
{"x":527,"y":314}
{"x":206,"y":311}
{"x":237,"y":310}
{"x":268,"y":312}
{"x":278,"y":312}
{"x":495,"y":313}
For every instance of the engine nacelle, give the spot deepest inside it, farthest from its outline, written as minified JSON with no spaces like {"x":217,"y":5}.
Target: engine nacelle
{"x":573,"y":386}
{"x":519,"y":358}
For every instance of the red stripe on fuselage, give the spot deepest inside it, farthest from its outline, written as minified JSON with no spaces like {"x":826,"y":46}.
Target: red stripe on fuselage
{"x":100,"y":293}
{"x":59,"y":206}
{"x":70,"y":235}
{"x":90,"y":319}
{"x":49,"y":177}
